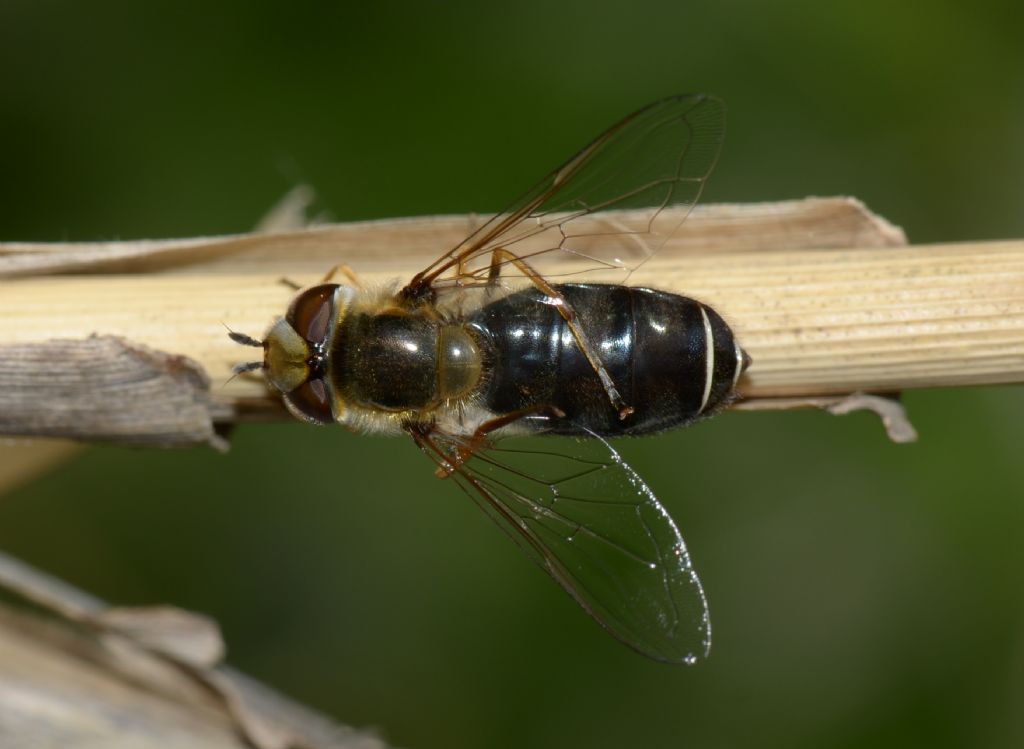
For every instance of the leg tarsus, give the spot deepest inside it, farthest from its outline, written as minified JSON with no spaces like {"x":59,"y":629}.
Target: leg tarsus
{"x":346,"y":271}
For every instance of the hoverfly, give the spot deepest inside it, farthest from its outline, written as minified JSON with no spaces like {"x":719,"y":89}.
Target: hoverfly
{"x":482,"y":345}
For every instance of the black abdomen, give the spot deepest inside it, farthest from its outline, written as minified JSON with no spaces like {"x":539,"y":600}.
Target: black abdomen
{"x":658,"y":348}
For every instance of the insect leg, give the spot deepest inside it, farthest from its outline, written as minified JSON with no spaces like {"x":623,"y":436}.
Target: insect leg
{"x":346,"y":271}
{"x":449,"y":462}
{"x":430,"y":447}
{"x":478,"y":440}
{"x":501,"y":255}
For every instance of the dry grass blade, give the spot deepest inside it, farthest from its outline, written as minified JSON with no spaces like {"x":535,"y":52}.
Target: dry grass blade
{"x":823,"y":294}
{"x":76,"y":673}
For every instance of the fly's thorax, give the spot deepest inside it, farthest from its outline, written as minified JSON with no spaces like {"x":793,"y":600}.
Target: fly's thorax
{"x":296,"y":349}
{"x":393,"y":359}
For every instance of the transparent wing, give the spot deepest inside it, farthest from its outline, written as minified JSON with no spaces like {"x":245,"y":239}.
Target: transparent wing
{"x":609,"y":207}
{"x":592,"y":523}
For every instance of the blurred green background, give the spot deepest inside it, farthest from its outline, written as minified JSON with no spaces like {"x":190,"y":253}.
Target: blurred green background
{"x":862,"y":593}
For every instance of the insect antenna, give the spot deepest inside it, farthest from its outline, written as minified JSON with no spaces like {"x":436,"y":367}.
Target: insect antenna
{"x":244,"y":339}
{"x":244,"y":367}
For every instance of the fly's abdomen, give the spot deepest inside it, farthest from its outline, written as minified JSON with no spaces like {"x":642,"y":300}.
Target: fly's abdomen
{"x":672,"y":359}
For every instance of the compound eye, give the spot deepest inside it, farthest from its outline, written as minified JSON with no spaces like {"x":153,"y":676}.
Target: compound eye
{"x":311,"y":312}
{"x":311,"y":401}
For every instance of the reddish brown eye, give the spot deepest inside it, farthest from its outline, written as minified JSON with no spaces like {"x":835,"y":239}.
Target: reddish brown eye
{"x":310,"y":401}
{"x":311,"y":311}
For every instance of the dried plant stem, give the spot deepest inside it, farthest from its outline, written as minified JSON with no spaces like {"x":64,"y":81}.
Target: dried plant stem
{"x":74,"y":668}
{"x":817,"y":322}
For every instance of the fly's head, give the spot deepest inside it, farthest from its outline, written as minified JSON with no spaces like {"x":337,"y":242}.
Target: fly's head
{"x":296,"y":352}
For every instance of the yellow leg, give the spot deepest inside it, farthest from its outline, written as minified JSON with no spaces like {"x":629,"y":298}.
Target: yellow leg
{"x":346,"y":271}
